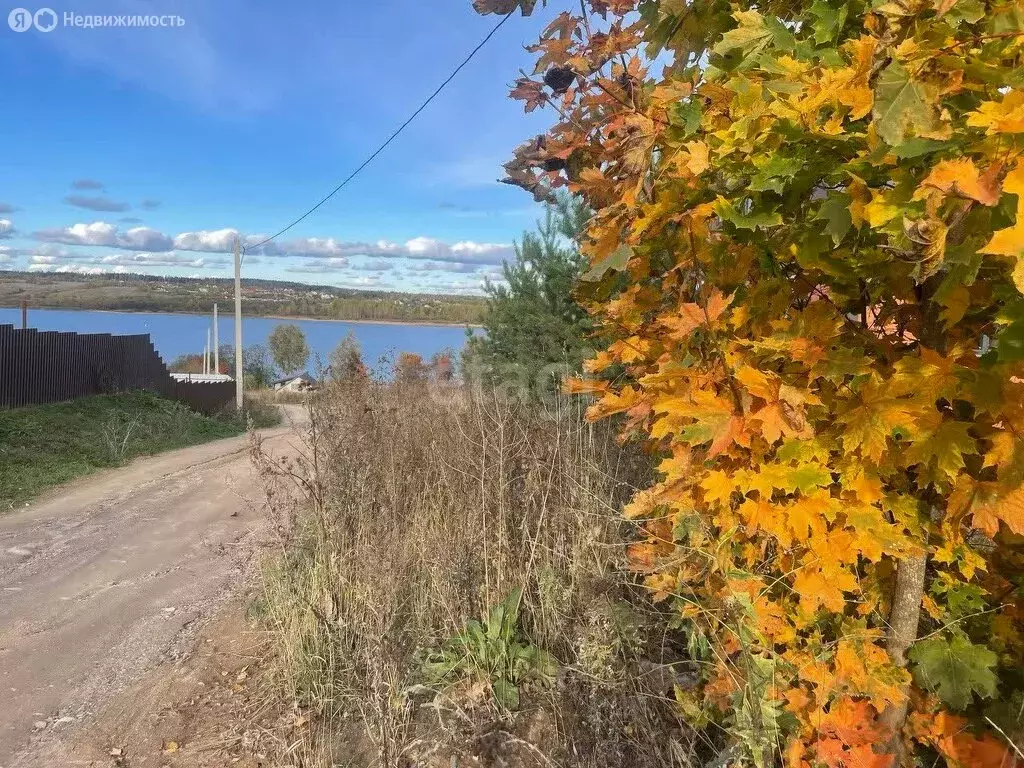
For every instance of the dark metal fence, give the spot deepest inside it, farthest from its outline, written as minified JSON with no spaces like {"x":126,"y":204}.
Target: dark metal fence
{"x":52,"y":366}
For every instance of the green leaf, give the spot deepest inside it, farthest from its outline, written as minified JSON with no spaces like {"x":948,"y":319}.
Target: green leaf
{"x":916,"y":147}
{"x":954,"y":670}
{"x":751,"y":220}
{"x":687,"y":113}
{"x":754,"y":34}
{"x":1010,"y":19}
{"x":971,"y":11}
{"x":902,"y":108}
{"x":773,"y":174}
{"x":959,"y":599}
{"x":751,"y":36}
{"x":829,"y":20}
{"x":616,"y":262}
{"x":807,"y":477}
{"x":506,"y":694}
{"x":836,"y":212}
{"x":510,"y":614}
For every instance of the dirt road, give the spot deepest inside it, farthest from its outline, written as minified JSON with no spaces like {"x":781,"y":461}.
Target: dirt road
{"x":104,"y":579}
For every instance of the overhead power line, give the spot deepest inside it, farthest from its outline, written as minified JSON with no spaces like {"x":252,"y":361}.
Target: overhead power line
{"x":389,"y":139}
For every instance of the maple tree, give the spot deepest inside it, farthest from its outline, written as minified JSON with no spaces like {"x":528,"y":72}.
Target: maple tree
{"x":808,"y":246}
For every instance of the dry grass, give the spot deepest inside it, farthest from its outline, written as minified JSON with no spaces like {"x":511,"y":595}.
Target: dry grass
{"x":421,"y":509}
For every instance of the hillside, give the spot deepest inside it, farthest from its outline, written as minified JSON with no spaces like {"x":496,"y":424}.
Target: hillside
{"x":151,"y":293}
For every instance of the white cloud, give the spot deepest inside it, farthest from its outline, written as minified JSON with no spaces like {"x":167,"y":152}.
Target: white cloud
{"x":101,"y":233}
{"x":455,"y":286}
{"x":466,"y":251}
{"x":77,"y":269}
{"x":170,"y":259}
{"x":218,"y":241}
{"x":49,"y":255}
{"x":326,"y":254}
{"x":6,"y":228}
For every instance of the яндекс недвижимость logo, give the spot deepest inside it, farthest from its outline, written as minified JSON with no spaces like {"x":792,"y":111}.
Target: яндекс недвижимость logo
{"x":22,"y":19}
{"x":46,"y":20}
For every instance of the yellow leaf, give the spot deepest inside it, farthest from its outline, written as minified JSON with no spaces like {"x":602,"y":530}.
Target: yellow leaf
{"x":858,"y":202}
{"x":599,"y":362}
{"x":870,"y":424}
{"x":1010,"y":242}
{"x":1006,"y":116}
{"x":758,"y":383}
{"x":808,"y":516}
{"x":698,"y":161}
{"x":873,"y":535}
{"x":1004,"y":447}
{"x":613,"y":403}
{"x":678,"y":465}
{"x":947,"y":445}
{"x":866,"y":668}
{"x":718,"y":487}
{"x":860,"y":100}
{"x":880,"y":211}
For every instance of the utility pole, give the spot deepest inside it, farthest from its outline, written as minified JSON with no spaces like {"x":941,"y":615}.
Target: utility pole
{"x":209,"y":357}
{"x":238,"y":326}
{"x":216,"y":342}
{"x":24,"y":314}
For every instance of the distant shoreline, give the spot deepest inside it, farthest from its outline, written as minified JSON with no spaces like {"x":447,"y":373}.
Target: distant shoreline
{"x":230,"y":314}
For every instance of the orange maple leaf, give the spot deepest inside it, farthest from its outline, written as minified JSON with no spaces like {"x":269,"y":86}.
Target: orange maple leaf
{"x":961,"y":748}
{"x":1008,"y":508}
{"x":782,"y":414}
{"x":961,"y":178}
{"x":691,"y":316}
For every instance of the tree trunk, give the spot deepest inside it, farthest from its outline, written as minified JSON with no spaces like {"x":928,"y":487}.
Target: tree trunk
{"x":903,"y":622}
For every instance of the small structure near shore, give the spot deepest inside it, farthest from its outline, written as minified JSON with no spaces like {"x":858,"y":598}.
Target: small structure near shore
{"x":299,"y":382}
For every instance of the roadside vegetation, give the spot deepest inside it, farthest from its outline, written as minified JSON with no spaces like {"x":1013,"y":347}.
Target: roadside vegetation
{"x":43,"y":446}
{"x":449,"y":585}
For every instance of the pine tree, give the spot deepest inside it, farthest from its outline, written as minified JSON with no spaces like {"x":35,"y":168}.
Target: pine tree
{"x":534,"y":331}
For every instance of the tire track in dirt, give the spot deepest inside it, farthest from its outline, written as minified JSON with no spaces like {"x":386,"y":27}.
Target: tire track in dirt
{"x":104,"y":579}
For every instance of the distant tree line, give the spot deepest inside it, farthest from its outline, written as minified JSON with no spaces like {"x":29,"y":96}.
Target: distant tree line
{"x":151,"y":293}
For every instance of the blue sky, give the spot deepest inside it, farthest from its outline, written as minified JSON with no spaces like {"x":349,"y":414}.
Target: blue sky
{"x":132,"y":149}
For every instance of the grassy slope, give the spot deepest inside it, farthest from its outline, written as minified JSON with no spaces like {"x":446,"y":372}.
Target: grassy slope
{"x":45,"y":445}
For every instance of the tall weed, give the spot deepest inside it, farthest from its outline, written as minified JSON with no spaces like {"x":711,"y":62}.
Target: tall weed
{"x":415,"y":515}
